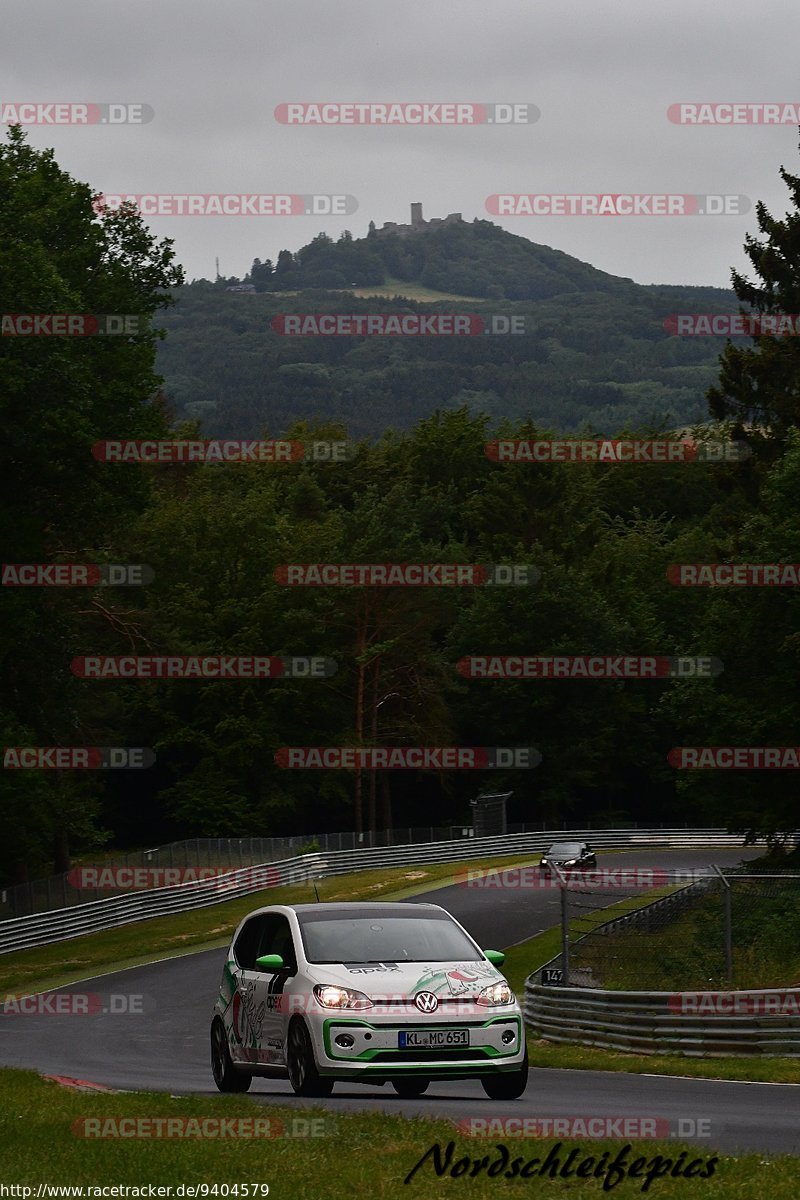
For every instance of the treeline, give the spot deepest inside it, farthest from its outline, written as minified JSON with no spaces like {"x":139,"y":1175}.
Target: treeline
{"x":590,"y":359}
{"x":469,"y":259}
{"x":601,"y":536}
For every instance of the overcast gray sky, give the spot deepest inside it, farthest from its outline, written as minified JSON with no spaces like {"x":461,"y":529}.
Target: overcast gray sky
{"x":602,"y":72}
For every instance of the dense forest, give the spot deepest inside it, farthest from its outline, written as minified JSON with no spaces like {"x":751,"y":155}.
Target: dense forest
{"x":601,"y":537}
{"x":596,"y":352}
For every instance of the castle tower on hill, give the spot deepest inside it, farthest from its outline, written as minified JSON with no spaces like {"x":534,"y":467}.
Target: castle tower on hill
{"x":417,"y":223}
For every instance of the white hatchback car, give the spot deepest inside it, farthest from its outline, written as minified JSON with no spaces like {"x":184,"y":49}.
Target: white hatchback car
{"x":367,"y":993}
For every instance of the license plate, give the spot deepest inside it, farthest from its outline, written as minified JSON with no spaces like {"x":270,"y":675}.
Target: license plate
{"x":431,"y":1039}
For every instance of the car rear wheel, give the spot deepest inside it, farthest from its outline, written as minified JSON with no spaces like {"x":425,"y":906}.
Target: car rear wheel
{"x":226,"y":1076}
{"x":409,"y":1089}
{"x":508,"y":1086}
{"x":303,"y":1074}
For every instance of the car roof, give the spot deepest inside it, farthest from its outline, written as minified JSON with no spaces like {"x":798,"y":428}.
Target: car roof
{"x":351,"y":907}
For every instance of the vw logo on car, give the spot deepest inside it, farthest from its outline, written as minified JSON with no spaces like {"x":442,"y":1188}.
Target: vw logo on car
{"x":426,"y":1002}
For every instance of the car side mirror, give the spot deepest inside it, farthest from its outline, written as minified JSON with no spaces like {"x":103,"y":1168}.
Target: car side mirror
{"x":495,"y":957}
{"x":270,"y":962}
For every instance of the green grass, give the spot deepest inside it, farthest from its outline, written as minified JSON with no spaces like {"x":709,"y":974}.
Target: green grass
{"x":399,"y":288}
{"x":528,"y":956}
{"x":523,"y":959}
{"x":688,"y":954}
{"x":360,"y":1155}
{"x":570,"y":1057}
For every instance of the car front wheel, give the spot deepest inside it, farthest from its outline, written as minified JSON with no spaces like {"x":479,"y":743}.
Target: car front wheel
{"x":409,"y":1089}
{"x":508,"y":1086}
{"x":226,"y":1077}
{"x":303,"y":1074}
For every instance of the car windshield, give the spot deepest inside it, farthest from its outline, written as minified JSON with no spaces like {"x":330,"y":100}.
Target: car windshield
{"x":565,"y":850}
{"x":380,"y":939}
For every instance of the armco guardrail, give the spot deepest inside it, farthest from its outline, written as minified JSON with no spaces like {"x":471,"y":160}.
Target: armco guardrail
{"x":74,"y":887}
{"x":700,"y":1024}
{"x":61,"y":924}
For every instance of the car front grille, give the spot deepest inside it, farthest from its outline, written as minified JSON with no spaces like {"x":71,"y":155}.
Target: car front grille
{"x":408,"y":1002}
{"x":439,"y":1054}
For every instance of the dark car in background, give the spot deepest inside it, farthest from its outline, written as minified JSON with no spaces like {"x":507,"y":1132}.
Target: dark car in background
{"x":569,"y":856}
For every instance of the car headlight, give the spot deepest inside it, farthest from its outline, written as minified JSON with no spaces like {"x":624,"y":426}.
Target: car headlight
{"x":543,"y":863}
{"x":495,"y":993}
{"x":330,"y":995}
{"x":571,"y":862}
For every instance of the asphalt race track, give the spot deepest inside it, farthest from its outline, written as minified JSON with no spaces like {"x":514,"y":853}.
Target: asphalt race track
{"x":164,"y":1045}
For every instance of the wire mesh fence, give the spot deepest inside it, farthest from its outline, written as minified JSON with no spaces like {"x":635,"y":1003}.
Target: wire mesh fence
{"x":703,"y":929}
{"x":108,"y":876}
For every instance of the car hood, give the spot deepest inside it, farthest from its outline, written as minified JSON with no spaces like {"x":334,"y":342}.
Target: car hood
{"x":444,"y":979}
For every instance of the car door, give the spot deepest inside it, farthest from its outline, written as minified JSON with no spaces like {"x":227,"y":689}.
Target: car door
{"x":247,"y":1006}
{"x":270,"y":987}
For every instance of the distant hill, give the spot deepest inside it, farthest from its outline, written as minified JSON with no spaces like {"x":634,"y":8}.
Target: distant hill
{"x":595,"y":351}
{"x":477,"y":259}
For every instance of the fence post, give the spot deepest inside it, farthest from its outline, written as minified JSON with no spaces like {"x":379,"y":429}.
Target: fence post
{"x":564,"y":936}
{"x":562,"y":879}
{"x":728,"y":928}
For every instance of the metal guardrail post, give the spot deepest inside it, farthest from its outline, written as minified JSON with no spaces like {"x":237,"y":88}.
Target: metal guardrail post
{"x":564,"y":935}
{"x":728,"y":927}
{"x":562,"y":879}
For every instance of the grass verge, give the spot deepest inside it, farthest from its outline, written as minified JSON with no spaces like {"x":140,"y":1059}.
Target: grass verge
{"x":521,"y":960}
{"x":688,"y":952}
{"x":360,"y":1154}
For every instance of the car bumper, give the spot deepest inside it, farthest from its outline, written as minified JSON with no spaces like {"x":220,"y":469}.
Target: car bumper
{"x":375,"y":1049}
